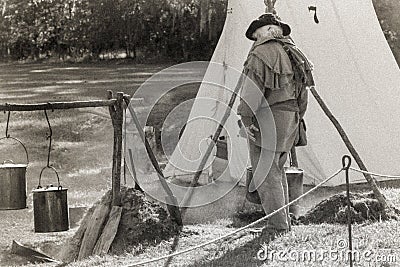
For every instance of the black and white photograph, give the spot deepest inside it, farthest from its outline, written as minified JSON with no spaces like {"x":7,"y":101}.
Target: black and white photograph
{"x":200,"y":133}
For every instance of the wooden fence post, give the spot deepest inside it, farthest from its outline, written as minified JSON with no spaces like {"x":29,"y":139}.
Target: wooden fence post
{"x":117,"y":116}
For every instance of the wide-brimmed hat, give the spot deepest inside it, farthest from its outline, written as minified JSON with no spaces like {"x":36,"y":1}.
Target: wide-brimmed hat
{"x":267,"y":19}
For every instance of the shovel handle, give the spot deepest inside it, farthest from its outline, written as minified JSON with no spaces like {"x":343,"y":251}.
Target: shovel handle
{"x":22,"y":144}
{"x":58,"y":177}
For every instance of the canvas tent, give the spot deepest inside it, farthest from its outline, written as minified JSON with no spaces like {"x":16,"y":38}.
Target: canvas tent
{"x":355,"y":74}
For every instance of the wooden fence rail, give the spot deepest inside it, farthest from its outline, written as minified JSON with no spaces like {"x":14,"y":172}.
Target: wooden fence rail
{"x":116,"y":112}
{"x":116,"y":108}
{"x":58,"y":105}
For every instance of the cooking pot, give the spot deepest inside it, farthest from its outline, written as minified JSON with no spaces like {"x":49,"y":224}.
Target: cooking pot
{"x":50,"y":206}
{"x":13,"y":182}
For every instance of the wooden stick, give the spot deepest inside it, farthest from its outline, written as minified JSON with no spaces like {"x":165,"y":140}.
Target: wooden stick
{"x":94,"y":230}
{"x":58,"y":105}
{"x":215,"y":137}
{"x":103,"y":245}
{"x":270,"y":6}
{"x":379,"y":196}
{"x":117,"y":115}
{"x":70,"y":250}
{"x":172,"y":209}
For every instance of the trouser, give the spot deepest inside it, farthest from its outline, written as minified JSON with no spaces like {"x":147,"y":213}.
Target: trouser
{"x":269,"y":179}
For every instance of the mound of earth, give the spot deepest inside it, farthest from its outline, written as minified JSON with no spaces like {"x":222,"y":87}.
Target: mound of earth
{"x":364,"y":207}
{"x":142,"y":222}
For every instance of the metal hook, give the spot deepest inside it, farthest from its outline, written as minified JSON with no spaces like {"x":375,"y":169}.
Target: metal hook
{"x":314,"y":8}
{"x":8,"y":122}
{"x":49,"y":136}
{"x":346,"y":162}
{"x":50,"y":106}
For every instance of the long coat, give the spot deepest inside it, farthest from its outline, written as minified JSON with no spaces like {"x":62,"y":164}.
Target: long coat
{"x":269,"y":69}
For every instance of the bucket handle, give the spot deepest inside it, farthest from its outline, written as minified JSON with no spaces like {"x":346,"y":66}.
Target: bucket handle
{"x":26,"y":151}
{"x":40,"y":177}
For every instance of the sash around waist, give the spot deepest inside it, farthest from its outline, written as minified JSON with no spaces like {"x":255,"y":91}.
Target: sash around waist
{"x":289,"y":105}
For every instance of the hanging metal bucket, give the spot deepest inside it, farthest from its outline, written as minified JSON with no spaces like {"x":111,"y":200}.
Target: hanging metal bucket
{"x":50,"y":207}
{"x":295,"y":184}
{"x":13,"y":182}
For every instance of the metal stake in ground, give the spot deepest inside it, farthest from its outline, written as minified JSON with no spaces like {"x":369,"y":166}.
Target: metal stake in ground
{"x":346,"y":161}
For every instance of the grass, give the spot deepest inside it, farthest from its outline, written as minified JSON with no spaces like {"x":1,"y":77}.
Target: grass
{"x":45,"y":82}
{"x":370,"y":239}
{"x":82,"y":151}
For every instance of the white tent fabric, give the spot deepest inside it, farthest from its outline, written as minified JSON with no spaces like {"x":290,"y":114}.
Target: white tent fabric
{"x":231,"y":51}
{"x":355,"y":73}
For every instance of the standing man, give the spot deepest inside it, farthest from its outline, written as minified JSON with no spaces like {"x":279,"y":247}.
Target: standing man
{"x":281,"y":73}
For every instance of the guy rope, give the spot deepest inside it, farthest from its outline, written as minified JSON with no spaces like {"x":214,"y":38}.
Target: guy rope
{"x":239,"y":229}
{"x":346,"y":162}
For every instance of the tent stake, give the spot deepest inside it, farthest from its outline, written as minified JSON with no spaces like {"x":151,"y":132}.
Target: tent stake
{"x":379,"y":196}
{"x":346,"y":161}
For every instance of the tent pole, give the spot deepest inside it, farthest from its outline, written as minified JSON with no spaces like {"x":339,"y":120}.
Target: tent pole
{"x":270,"y":6}
{"x":211,"y":146}
{"x":172,"y":204}
{"x":379,"y":196}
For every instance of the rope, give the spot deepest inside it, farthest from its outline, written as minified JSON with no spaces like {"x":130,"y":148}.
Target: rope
{"x":237,"y":230}
{"x":375,"y":174}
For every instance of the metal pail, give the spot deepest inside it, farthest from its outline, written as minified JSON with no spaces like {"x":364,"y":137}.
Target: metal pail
{"x":295,"y":184}
{"x":13,"y":183}
{"x":50,"y":207}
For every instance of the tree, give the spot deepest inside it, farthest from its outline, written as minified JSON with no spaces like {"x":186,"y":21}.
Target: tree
{"x":387,"y":12}
{"x":178,"y":29}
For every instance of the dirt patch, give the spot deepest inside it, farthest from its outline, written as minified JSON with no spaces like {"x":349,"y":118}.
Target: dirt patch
{"x":9,"y":259}
{"x":364,"y":207}
{"x":142,"y":223}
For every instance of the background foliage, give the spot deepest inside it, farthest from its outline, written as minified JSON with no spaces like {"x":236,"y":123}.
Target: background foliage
{"x":388,"y":14}
{"x":143,"y":29}
{"x":180,"y":29}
